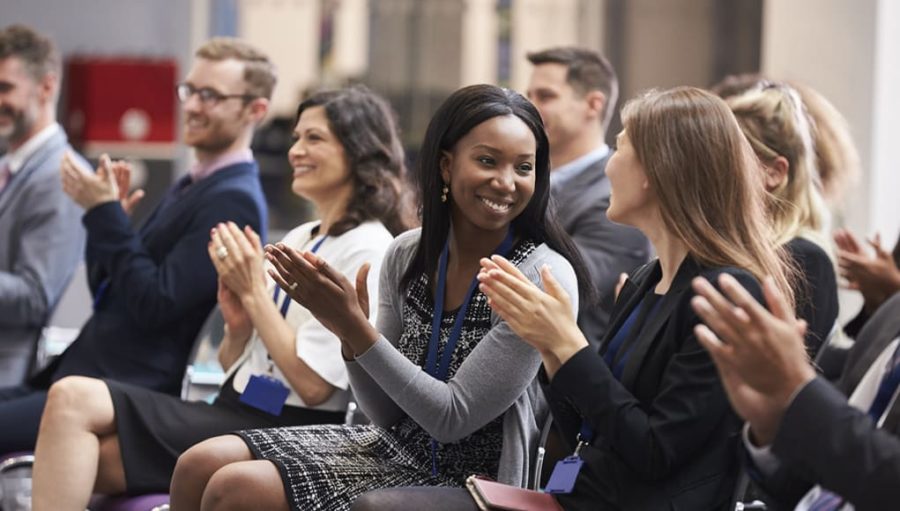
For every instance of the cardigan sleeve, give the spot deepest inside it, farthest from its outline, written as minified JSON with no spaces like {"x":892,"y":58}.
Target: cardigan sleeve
{"x":488,"y":381}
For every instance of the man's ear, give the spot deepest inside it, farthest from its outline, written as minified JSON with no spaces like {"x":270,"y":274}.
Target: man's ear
{"x":48,"y":87}
{"x":259,"y":108}
{"x":445,"y":163}
{"x":596,"y":101}
{"x":776,"y":173}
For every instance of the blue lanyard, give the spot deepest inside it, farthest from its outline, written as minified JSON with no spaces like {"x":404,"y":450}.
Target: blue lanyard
{"x":431,"y":364}
{"x":586,"y":433}
{"x":101,"y":292}
{"x":287,"y":299}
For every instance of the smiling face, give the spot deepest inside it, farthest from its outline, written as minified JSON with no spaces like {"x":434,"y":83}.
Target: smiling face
{"x":21,"y":101}
{"x":630,"y":196}
{"x":317,"y":157}
{"x":213,"y":128}
{"x":564,"y":111}
{"x":491,"y":174}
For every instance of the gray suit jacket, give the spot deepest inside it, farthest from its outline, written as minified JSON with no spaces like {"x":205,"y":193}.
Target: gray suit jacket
{"x":41,"y":242}
{"x":608,"y":248}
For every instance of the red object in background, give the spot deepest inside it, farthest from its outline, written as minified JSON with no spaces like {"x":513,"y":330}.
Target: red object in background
{"x":120,"y":101}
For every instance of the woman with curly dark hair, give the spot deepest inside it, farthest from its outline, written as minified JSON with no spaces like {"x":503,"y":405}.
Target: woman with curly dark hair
{"x":283,"y":366}
{"x":450,"y":389}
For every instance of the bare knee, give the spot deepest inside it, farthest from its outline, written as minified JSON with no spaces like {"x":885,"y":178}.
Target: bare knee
{"x":196,"y":466}
{"x":81,"y":401}
{"x":245,"y":486}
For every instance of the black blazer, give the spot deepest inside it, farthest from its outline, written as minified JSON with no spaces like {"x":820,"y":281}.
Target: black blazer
{"x":162,"y":284}
{"x":817,"y":298}
{"x":823,"y":440}
{"x":665,"y":435}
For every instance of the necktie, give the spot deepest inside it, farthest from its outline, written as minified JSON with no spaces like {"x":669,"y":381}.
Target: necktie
{"x":175,"y":192}
{"x":827,"y":501}
{"x":5,"y":174}
{"x":171,"y":196}
{"x":887,"y":388}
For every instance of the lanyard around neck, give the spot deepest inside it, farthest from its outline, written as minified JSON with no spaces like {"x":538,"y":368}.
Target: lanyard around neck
{"x":431,"y":363}
{"x":287,"y":299}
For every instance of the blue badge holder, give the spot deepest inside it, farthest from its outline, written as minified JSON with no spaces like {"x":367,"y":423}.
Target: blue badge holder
{"x":265,"y":393}
{"x":562,"y":480}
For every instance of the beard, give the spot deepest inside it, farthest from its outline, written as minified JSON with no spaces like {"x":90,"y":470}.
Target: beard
{"x":17,"y":130}
{"x":214,"y":136}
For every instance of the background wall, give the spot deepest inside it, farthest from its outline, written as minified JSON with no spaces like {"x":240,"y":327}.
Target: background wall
{"x":416,"y":52}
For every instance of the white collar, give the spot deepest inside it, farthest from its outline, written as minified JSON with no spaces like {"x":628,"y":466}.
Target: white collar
{"x":578,"y":165}
{"x":16,"y":159}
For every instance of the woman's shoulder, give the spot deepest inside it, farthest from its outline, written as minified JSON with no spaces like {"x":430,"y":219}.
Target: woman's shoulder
{"x":406,"y":241}
{"x":542,"y":255}
{"x":400,"y":251}
{"x":742,"y":275}
{"x":372,"y":235}
{"x":299,"y":235}
{"x":807,"y":253}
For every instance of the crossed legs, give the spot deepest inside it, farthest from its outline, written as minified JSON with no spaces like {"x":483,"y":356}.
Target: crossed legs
{"x":77,"y":450}
{"x":220,"y":474}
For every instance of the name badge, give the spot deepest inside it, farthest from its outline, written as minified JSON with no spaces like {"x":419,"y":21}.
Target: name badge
{"x":265,"y":393}
{"x":562,"y":480}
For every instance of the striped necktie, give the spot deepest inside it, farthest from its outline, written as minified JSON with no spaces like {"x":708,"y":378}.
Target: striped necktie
{"x":827,"y":501}
{"x":5,"y":174}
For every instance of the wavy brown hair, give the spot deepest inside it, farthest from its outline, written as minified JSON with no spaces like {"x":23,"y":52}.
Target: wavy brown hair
{"x":365,"y":126}
{"x":707,"y":181}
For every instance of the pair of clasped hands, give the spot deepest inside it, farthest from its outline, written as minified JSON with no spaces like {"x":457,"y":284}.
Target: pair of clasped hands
{"x":759,"y":351}
{"x":110,"y":182}
{"x":309,"y":280}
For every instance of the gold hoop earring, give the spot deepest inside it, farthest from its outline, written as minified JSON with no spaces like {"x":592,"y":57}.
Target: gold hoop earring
{"x":445,"y":191}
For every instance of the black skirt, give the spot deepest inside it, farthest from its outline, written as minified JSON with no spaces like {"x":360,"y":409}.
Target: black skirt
{"x":154,"y":428}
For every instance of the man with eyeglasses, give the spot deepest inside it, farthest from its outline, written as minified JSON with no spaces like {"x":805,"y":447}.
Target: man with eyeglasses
{"x":153,"y":287}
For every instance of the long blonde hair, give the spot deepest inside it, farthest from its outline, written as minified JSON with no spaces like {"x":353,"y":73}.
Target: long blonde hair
{"x":705,"y":176}
{"x":775,"y":122}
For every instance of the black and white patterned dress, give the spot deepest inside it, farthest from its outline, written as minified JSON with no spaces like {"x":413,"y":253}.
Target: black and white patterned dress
{"x":328,"y":467}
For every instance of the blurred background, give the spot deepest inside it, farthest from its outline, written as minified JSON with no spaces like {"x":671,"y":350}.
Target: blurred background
{"x":123,"y":58}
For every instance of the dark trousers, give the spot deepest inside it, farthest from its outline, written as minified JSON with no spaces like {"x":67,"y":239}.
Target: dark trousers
{"x":20,"y":415}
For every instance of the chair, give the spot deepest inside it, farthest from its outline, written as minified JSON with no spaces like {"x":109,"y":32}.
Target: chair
{"x":833,"y":353}
{"x":15,"y":481}
{"x":744,"y":490}
{"x":203,"y":376}
{"x":551,"y":449}
{"x":66,"y":319}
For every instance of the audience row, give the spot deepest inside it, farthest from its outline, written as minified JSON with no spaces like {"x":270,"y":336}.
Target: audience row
{"x":463,"y":331}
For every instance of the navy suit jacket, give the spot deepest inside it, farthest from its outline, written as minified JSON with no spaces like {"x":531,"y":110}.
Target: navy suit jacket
{"x":665,"y":435}
{"x":161,"y":283}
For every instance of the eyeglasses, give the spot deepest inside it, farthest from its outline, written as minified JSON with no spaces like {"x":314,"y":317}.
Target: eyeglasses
{"x":208,"y":96}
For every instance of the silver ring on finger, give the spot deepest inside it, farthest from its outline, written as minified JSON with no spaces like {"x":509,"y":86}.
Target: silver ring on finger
{"x":293,"y":286}
{"x":221,"y":253}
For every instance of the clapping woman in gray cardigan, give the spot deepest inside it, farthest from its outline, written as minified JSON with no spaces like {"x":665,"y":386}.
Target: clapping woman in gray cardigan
{"x":443,"y":406}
